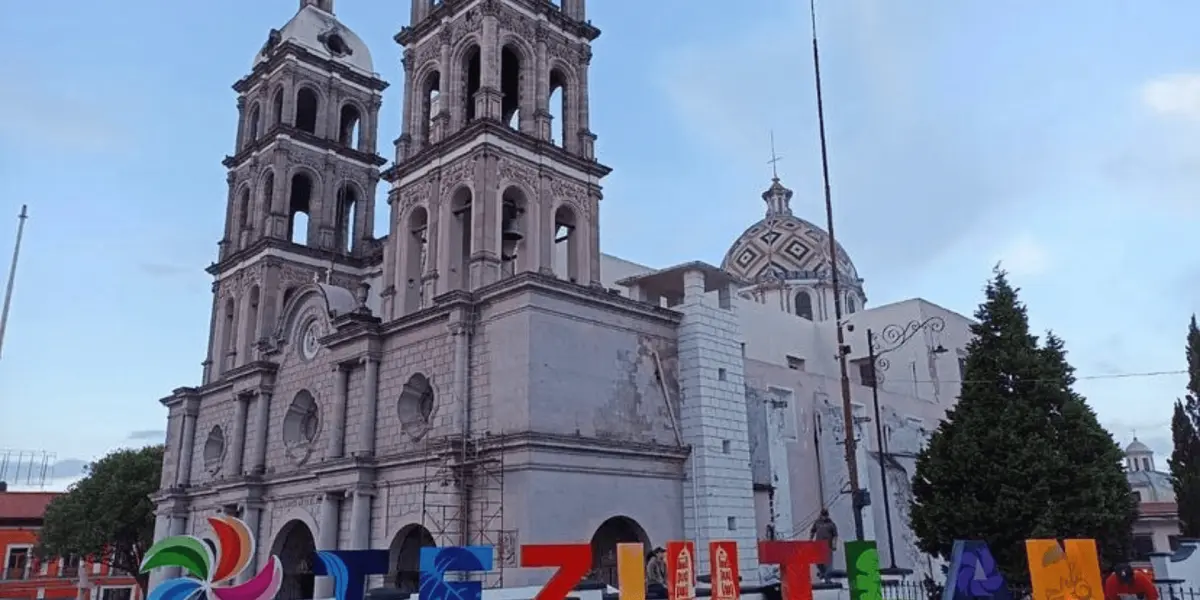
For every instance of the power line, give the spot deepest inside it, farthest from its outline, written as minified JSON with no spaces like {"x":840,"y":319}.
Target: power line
{"x":1135,"y":374}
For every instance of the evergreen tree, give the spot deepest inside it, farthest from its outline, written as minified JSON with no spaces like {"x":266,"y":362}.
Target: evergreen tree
{"x":1185,"y":456}
{"x":1021,"y":455}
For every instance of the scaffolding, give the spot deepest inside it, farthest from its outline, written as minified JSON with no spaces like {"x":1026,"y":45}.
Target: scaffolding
{"x":26,"y":468}
{"x":462,"y":500}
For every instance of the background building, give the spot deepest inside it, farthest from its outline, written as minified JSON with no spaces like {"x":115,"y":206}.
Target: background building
{"x":484,"y":374}
{"x":1157,"y":527}
{"x":22,"y":577}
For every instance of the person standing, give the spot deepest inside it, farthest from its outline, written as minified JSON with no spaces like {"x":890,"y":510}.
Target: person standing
{"x":656,"y":574}
{"x":825,"y":530}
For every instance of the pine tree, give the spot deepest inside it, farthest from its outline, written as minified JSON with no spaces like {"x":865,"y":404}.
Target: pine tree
{"x":1185,"y":456}
{"x":1021,"y":455}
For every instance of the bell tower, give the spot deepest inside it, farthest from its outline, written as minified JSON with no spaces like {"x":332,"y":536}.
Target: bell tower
{"x":301,"y":181}
{"x":495,"y":170}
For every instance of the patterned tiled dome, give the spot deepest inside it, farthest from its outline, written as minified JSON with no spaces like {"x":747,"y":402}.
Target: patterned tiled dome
{"x":785,"y":246}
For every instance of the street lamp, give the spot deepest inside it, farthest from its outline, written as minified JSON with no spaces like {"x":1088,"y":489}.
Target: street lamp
{"x":893,"y":336}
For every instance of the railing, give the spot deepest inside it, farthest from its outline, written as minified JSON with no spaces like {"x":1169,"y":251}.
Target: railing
{"x":915,"y":590}
{"x":14,"y":573}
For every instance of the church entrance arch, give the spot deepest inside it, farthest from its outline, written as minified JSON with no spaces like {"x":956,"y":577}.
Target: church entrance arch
{"x":404,"y":554}
{"x":616,"y":530}
{"x":295,"y":548}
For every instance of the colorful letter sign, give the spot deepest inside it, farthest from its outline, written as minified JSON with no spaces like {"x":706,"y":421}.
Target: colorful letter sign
{"x":1069,"y":571}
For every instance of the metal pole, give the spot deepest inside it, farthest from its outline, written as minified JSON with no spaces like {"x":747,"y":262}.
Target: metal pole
{"x":12,"y":275}
{"x":857,"y":500}
{"x":887,"y":502}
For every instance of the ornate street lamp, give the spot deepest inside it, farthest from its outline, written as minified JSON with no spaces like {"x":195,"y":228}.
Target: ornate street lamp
{"x":893,"y":337}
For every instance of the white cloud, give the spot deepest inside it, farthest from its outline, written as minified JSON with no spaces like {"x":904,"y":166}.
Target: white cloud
{"x":1025,"y":256}
{"x":1176,"y":95}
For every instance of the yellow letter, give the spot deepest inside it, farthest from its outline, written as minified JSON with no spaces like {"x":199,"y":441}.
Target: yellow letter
{"x":1056,"y":573}
{"x":631,"y":571}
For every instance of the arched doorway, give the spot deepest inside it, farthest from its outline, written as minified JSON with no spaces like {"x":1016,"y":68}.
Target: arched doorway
{"x":616,"y":530}
{"x":295,"y":548}
{"x":405,"y":557}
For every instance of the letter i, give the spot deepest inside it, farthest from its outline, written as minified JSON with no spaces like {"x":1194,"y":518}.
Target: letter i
{"x":631,"y":571}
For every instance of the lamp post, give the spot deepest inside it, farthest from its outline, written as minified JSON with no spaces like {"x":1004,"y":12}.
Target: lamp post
{"x":894,"y":336}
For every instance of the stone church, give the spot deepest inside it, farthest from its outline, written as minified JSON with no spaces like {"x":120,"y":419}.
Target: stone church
{"x":481,"y":373}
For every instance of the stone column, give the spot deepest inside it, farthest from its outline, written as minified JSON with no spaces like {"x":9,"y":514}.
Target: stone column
{"x":252,"y":516}
{"x":366,"y":446}
{"x":261,"y":429}
{"x":461,"y":330}
{"x":237,"y":445}
{"x":162,"y":525}
{"x":81,"y":587}
{"x":177,"y":526}
{"x":341,"y":391}
{"x":183,"y":472}
{"x":327,"y":538}
{"x":360,"y":519}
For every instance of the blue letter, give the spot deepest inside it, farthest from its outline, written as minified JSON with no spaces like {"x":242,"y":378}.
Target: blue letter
{"x":350,"y":569}
{"x":968,"y":558}
{"x":436,"y":562}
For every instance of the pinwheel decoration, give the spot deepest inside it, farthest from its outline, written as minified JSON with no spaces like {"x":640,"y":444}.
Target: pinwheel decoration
{"x":211,"y":570}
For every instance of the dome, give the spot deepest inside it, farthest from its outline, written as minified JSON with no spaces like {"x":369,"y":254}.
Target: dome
{"x":322,"y":34}
{"x":785,"y":246}
{"x":1137,"y":447}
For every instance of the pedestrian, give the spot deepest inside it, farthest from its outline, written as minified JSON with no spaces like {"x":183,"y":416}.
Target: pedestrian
{"x":656,"y":574}
{"x":825,"y":530}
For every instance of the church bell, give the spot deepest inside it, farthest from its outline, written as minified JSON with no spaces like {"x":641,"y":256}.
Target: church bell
{"x":510,"y":232}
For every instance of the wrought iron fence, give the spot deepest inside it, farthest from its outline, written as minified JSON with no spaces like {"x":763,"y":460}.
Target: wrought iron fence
{"x":930,"y":590}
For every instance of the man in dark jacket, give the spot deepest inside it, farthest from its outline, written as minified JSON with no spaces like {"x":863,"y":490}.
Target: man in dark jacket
{"x":825,"y":530}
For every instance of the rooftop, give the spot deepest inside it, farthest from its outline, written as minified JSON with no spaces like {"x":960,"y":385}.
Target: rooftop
{"x":24,"y":505}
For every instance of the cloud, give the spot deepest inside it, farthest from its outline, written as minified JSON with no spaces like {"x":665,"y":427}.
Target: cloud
{"x":149,"y":435}
{"x":1175,"y":96}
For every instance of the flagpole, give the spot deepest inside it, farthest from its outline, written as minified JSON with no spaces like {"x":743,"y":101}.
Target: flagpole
{"x":858,"y":500}
{"x":12,"y":274}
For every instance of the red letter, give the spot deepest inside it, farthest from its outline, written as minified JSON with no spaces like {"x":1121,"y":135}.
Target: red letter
{"x":723,"y":561}
{"x":681,"y":570}
{"x":794,"y":560}
{"x":573,"y":562}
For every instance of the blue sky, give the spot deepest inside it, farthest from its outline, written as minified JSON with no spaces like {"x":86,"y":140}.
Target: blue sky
{"x":1058,"y":136}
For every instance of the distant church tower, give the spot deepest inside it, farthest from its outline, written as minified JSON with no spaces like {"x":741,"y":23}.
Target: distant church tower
{"x":488,"y":183}
{"x":301,"y":180}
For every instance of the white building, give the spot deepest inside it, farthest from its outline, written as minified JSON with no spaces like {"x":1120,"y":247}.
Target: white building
{"x":483,"y":374}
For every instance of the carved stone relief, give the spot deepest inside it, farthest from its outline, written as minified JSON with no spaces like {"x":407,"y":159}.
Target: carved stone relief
{"x":413,"y":195}
{"x":428,"y":52}
{"x":456,"y":172}
{"x":516,"y":23}
{"x":516,"y":172}
{"x":573,"y":194}
{"x":290,"y":275}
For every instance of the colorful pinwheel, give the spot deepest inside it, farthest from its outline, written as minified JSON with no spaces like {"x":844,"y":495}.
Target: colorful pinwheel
{"x":208,"y":570}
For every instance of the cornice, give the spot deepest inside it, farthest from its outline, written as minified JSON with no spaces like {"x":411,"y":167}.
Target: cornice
{"x":447,"y":9}
{"x":272,"y":137}
{"x":462,"y":137}
{"x":373,"y":259}
{"x":289,"y":48}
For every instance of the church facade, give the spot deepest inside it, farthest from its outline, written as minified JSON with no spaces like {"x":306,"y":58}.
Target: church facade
{"x":482,"y":373}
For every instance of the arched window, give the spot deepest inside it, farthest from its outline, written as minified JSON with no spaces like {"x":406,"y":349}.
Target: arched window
{"x":299,"y":205}
{"x":347,"y":209}
{"x":510,"y":86}
{"x":851,"y":305}
{"x":566,"y":244}
{"x":255,"y":117}
{"x":306,"y":110}
{"x":460,"y":238}
{"x":471,"y":69}
{"x":349,"y":128}
{"x":277,"y":108}
{"x":804,"y":305}
{"x":559,"y":104}
{"x":431,"y":106}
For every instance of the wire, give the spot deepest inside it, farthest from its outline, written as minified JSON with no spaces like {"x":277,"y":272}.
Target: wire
{"x":1141,"y":374}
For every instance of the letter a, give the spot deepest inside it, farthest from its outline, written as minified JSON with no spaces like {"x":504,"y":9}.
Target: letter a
{"x":1058,"y":570}
{"x":973,"y":573}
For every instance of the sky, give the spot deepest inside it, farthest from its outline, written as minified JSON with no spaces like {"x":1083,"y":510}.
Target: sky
{"x":1059,"y":138}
